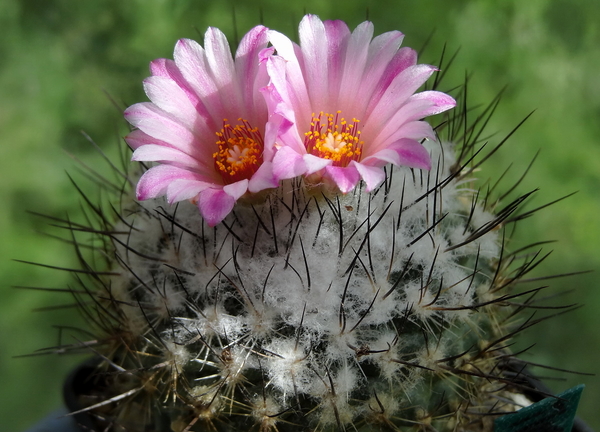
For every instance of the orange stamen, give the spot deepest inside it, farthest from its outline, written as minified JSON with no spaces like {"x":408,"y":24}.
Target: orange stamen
{"x":336,"y":139}
{"x":240,"y":151}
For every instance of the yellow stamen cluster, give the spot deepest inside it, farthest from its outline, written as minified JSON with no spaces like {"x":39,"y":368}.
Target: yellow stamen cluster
{"x":334,"y":139}
{"x":240,"y":151}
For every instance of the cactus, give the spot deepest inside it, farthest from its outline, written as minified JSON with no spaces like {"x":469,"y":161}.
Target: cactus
{"x":388,"y":307}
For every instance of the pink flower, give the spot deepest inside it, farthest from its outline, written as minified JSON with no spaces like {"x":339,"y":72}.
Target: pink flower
{"x":353,"y":103}
{"x":207,"y":124}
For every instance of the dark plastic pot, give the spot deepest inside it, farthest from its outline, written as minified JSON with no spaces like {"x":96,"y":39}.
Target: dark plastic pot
{"x":78,"y":382}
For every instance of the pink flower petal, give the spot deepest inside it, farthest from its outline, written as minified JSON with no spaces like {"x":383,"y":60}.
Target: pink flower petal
{"x":355,"y":63}
{"x":171,"y":98}
{"x":159,"y":67}
{"x":440,"y":102}
{"x":168,"y":69}
{"x":137,"y":138}
{"x":184,"y":189}
{"x":288,"y":164}
{"x":281,"y":104}
{"x":315,"y":163}
{"x":296,"y":94}
{"x":338,"y":35}
{"x":159,"y":153}
{"x":403,"y":59}
{"x":276,"y":127}
{"x":159,"y":124}
{"x":218,"y":56}
{"x":156,"y":180}
{"x":214,"y":205}
{"x":382,"y":157}
{"x":248,"y":52}
{"x":393,"y":129}
{"x":263,"y":178}
{"x":190,"y":59}
{"x":416,"y":130}
{"x":313,"y":41}
{"x":345,"y":178}
{"x":372,"y":176}
{"x":396,"y":95}
{"x":237,"y":189}
{"x":412,"y":154}
{"x":222,"y":66}
{"x":382,"y":50}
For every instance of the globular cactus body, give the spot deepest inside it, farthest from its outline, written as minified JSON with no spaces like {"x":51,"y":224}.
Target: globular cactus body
{"x":306,"y":310}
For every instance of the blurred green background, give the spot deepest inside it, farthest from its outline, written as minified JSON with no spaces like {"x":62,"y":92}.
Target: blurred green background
{"x":60,"y":58}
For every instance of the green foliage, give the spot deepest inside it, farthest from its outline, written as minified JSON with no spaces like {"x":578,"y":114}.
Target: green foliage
{"x":60,"y":57}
